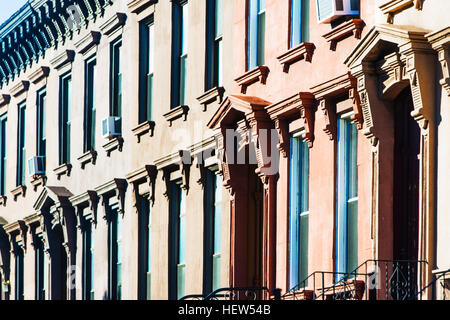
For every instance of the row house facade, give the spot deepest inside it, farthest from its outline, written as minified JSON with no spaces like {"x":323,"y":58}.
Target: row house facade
{"x":195,"y":149}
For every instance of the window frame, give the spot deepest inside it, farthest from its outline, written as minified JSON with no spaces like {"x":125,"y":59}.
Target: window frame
{"x":65,"y":97}
{"x":180,"y":40}
{"x":255,"y":40}
{"x":214,"y":44}
{"x":146,"y":70}
{"x":346,"y":240}
{"x":21,"y":144}
{"x":3,"y":152}
{"x":89,"y":123}
{"x":299,"y":167}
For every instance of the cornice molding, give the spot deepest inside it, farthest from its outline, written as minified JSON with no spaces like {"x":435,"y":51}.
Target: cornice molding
{"x":392,"y":7}
{"x":19,"y":88}
{"x":136,"y":6}
{"x":146,"y":174}
{"x":176,"y":113}
{"x":91,"y":39}
{"x":114,"y":23}
{"x":88,"y":199}
{"x":351,"y":27}
{"x":113,"y":188}
{"x":212,"y":95}
{"x":39,"y":74}
{"x":62,"y":59}
{"x":258,"y":74}
{"x":304,"y":50}
{"x":143,"y":128}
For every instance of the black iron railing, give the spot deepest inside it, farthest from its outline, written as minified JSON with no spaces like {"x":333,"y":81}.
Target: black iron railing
{"x":372,"y":280}
{"x":233,"y":293}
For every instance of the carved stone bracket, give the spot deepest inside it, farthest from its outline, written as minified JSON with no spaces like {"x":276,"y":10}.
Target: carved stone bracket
{"x":330,"y":118}
{"x":147,"y":174}
{"x":440,"y":42}
{"x":284,"y":143}
{"x":307,"y":108}
{"x":202,"y":169}
{"x":166,"y":179}
{"x":185,"y":168}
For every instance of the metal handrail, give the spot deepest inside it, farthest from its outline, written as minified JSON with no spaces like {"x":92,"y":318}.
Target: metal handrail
{"x":193,"y":297}
{"x":354,"y":274}
{"x":413,"y":297}
{"x":247,"y":291}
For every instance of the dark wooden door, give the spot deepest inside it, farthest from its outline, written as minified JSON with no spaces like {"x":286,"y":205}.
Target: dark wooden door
{"x":406,"y":192}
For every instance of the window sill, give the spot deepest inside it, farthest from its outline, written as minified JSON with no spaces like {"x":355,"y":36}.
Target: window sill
{"x":113,"y":144}
{"x":3,"y":201}
{"x":143,"y":128}
{"x":19,"y":191}
{"x":38,"y":180}
{"x":348,"y":28}
{"x":88,"y":157}
{"x":304,"y":50}
{"x":63,"y":169}
{"x":258,"y":74}
{"x":175,"y":113}
{"x":214,"y":94}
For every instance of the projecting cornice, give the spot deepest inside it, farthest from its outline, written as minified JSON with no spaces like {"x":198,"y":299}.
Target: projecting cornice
{"x":113,"y":24}
{"x":41,"y":25}
{"x":136,"y":6}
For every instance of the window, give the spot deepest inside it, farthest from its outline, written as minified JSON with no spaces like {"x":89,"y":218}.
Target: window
{"x":179,"y":52}
{"x":329,"y":10}
{"x":41,"y":138}
{"x":214,"y":42}
{"x":177,"y":246}
{"x":3,"y":121}
{"x":299,"y":211}
{"x":21,"y":145}
{"x":115,"y":254}
{"x":147,"y":53}
{"x":116,"y":79}
{"x":213,"y":231}
{"x":88,"y":260}
{"x":144,"y":248}
{"x":64,"y":119}
{"x":347,"y":196}
{"x":256,"y":33}
{"x":19,"y":279}
{"x":89,"y":107}
{"x":40,"y":268}
{"x":299,"y":26}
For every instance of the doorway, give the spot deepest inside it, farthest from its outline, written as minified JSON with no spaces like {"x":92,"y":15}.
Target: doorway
{"x":406,"y":189}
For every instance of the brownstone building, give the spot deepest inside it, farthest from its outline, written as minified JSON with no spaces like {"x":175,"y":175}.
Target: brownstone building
{"x":289,"y":149}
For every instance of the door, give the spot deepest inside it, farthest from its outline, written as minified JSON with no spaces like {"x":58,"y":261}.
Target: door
{"x":406,"y":193}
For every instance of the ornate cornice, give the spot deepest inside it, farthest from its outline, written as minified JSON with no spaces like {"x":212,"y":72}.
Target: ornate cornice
{"x":146,"y":174}
{"x":39,"y":74}
{"x":136,"y":6}
{"x":305,"y":51}
{"x":114,"y":188}
{"x":392,"y":7}
{"x":88,"y":199}
{"x":113,"y":24}
{"x":351,"y":27}
{"x":39,"y":26}
{"x":92,"y":38}
{"x":258,"y":74}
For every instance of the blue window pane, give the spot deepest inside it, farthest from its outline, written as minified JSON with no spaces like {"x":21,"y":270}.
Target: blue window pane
{"x":185,"y":25}
{"x":181,"y":280}
{"x":218,"y":18}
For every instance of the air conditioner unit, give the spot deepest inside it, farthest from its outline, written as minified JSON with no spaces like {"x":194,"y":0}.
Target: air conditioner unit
{"x":328,"y":10}
{"x":111,"y":127}
{"x":36,"y":165}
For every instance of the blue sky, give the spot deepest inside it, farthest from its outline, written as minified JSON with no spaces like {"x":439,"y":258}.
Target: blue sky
{"x":8,"y":7}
